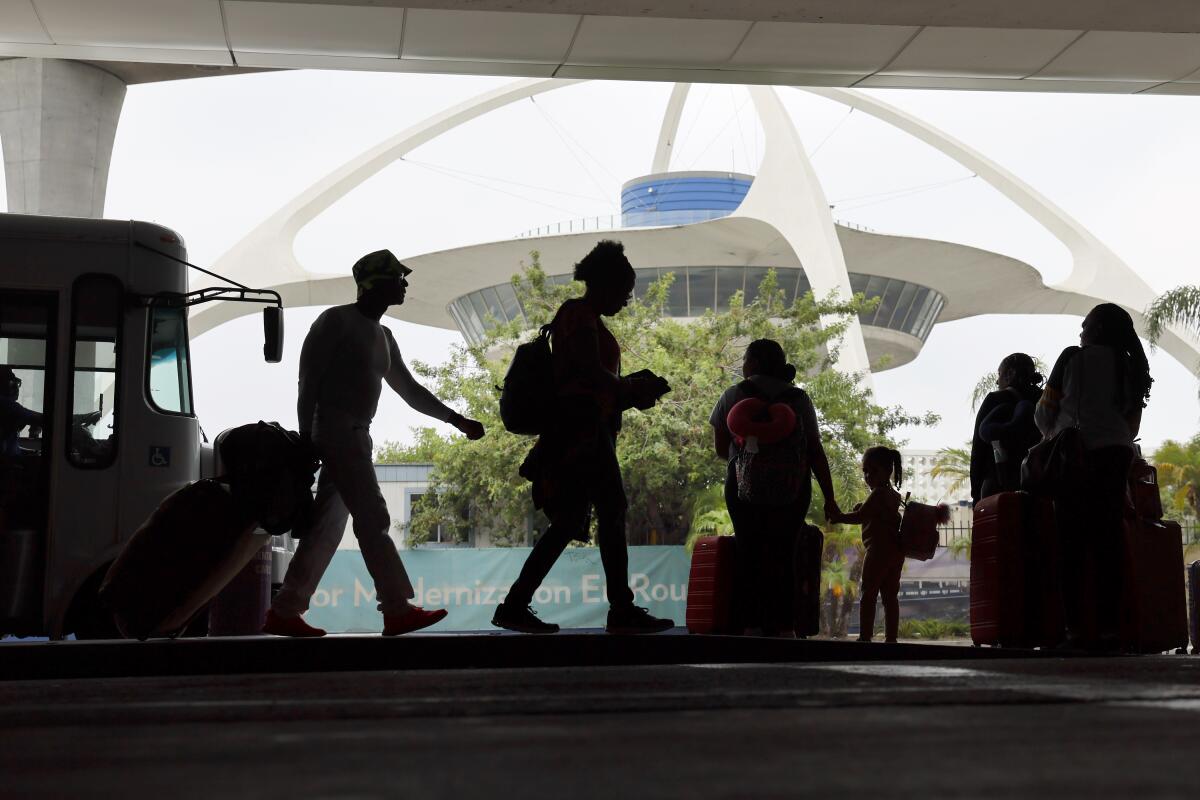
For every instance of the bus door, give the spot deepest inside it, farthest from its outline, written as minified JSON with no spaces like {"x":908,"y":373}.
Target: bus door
{"x":27,"y":347}
{"x":87,"y":489}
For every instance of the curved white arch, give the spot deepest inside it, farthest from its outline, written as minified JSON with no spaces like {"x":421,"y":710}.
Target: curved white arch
{"x":1097,"y":273}
{"x":787,"y":196}
{"x":266,"y":256}
{"x":670,"y":128}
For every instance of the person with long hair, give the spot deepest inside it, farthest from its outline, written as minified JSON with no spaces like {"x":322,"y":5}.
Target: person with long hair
{"x":1004,"y":428}
{"x":879,"y":516}
{"x":766,"y":532}
{"x":1100,"y":388}
{"x":573,"y":466}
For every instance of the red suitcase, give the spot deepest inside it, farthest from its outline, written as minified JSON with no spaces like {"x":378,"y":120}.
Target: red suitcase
{"x":710,"y":585}
{"x":1153,"y":600}
{"x":1015,"y":596}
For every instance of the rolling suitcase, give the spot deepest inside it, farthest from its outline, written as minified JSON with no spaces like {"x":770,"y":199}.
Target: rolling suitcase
{"x":186,"y":552}
{"x":1015,"y":596}
{"x":1193,"y":587}
{"x":810,"y":545}
{"x":710,"y":585}
{"x":1153,"y":605}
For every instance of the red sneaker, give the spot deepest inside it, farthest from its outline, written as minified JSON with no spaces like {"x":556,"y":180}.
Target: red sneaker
{"x":296,"y":627}
{"x":414,"y":620}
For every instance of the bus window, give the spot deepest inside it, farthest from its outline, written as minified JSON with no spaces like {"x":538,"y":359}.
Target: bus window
{"x":168,"y":374}
{"x":23,"y":331}
{"x":95,"y":321}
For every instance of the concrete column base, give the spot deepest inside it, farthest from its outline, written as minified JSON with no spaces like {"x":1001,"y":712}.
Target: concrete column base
{"x":58,"y":120}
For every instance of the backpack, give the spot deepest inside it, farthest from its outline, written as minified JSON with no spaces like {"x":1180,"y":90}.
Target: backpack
{"x":527,"y":397}
{"x":270,"y":472}
{"x":772,"y":474}
{"x":919,"y":537}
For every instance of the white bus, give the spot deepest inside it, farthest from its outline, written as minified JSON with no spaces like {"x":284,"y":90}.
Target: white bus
{"x":96,"y":417}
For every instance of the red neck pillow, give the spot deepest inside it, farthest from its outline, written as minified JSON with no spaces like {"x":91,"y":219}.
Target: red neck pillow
{"x":767,"y":422}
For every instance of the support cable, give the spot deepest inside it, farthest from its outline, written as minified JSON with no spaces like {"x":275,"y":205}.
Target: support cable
{"x":447,"y":174}
{"x":564,"y":136}
{"x":829,"y":135}
{"x":719,"y":133}
{"x":502,"y":180}
{"x":897,"y":194}
{"x":703,"y":101}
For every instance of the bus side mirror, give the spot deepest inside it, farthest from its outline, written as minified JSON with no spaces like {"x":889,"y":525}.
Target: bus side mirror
{"x":273,"y":334}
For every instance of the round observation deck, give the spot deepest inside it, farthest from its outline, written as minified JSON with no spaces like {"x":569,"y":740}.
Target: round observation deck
{"x":681,"y":198}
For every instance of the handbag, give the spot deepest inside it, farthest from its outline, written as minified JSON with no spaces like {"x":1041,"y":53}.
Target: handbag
{"x":919,"y":537}
{"x":1054,"y":465}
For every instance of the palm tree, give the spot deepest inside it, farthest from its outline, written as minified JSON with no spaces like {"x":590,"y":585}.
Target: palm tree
{"x":1179,"y":473}
{"x":1180,"y":306}
{"x":710,"y":517}
{"x":953,"y":462}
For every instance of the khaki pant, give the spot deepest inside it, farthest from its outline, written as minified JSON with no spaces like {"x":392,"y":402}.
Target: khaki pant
{"x":347,"y":488}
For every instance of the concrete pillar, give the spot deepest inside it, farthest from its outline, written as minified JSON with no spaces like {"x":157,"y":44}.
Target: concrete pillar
{"x":58,"y":120}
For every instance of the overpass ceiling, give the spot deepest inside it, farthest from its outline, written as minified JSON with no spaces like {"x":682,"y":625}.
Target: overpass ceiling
{"x":1151,"y":46}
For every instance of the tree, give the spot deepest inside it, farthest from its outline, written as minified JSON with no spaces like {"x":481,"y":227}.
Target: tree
{"x":666,"y":453}
{"x":710,"y":517}
{"x":1180,"y":306}
{"x":953,"y":462}
{"x":1179,"y":474}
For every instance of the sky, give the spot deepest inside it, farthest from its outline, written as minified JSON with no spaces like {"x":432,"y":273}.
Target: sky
{"x":213,"y":157}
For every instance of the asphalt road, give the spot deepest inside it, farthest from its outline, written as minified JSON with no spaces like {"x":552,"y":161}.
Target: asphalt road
{"x":846,"y":726}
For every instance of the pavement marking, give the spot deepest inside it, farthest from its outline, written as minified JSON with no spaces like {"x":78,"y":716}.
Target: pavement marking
{"x":1179,"y":704}
{"x":900,"y":670}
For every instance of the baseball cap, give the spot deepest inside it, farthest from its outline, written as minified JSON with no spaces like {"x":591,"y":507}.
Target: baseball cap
{"x":377,"y":267}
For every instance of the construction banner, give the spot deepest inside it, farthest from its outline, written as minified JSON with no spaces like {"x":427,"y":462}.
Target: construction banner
{"x":469,"y":583}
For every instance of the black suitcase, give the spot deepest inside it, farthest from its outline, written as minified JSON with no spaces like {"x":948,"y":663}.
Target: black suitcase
{"x":810,"y":544}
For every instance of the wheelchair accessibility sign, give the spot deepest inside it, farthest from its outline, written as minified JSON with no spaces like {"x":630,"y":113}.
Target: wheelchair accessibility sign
{"x":160,"y":456}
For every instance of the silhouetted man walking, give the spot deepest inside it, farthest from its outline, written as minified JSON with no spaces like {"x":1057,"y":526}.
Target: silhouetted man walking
{"x":346,"y":357}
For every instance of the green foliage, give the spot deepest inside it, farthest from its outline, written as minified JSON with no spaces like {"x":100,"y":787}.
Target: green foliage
{"x":1180,"y":306}
{"x":710,"y":517}
{"x":953,"y":462}
{"x":934,"y":629}
{"x":666,"y":453}
{"x":1179,"y":475}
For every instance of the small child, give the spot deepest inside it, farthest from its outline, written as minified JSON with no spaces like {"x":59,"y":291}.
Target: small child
{"x":880,"y":520}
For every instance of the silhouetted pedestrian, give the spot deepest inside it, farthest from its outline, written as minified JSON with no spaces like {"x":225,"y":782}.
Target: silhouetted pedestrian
{"x":573,"y":466}
{"x":778,"y":444}
{"x":1100,"y":389}
{"x":345,"y":359}
{"x":1004,"y":428}
{"x":879,"y":516}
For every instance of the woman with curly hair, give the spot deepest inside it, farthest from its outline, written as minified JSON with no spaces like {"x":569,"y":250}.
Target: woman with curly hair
{"x":1100,"y":389}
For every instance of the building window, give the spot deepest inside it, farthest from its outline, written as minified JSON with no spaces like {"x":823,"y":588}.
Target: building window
{"x":444,"y":535}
